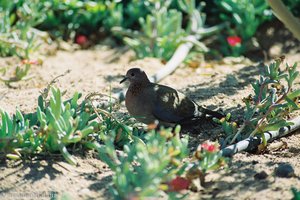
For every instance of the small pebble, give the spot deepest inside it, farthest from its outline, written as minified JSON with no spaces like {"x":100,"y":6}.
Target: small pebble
{"x":261,"y":175}
{"x":254,"y":162}
{"x":85,"y":192}
{"x":284,"y":170}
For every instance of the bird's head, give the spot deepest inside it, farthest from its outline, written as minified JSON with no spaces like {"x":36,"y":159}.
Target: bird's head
{"x":135,"y":75}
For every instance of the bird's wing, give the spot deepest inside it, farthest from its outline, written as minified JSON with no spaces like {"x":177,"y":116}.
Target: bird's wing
{"x":172,"y":106}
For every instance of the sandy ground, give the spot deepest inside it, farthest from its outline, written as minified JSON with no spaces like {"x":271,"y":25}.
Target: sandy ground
{"x":216,"y":84}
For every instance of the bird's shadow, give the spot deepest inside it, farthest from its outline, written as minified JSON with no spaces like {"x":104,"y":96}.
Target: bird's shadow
{"x":231,"y":85}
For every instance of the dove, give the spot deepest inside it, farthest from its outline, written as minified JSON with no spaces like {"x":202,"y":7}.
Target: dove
{"x":148,"y":102}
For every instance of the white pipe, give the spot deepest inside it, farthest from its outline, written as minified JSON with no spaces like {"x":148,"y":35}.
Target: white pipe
{"x":253,"y":142}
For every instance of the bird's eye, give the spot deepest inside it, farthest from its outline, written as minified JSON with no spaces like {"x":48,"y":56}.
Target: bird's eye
{"x":132,"y":74}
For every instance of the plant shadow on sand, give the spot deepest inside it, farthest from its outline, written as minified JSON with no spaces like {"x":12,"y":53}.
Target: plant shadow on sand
{"x":30,"y":175}
{"x":240,"y":177}
{"x":29,"y":172}
{"x":101,"y":185}
{"x":251,"y":175}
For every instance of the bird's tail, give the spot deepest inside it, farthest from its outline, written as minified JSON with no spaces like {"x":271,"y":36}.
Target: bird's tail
{"x":211,"y":113}
{"x":202,"y":117}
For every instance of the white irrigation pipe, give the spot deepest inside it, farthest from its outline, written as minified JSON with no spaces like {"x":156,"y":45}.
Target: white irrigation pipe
{"x":284,"y":15}
{"x":178,"y":57}
{"x":253,"y":142}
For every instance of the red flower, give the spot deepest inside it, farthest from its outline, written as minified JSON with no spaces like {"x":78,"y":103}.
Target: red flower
{"x":30,"y":62}
{"x":81,"y":39}
{"x":209,"y":147}
{"x":178,"y":184}
{"x":234,"y":40}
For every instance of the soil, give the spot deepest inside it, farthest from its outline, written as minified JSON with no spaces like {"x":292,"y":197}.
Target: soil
{"x":215,"y":84}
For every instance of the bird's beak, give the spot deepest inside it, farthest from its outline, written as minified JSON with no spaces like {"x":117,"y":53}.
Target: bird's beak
{"x":124,"y":79}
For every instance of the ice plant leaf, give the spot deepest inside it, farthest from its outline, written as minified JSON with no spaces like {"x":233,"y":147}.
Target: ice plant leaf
{"x":67,"y":155}
{"x":291,"y":102}
{"x":276,"y":125}
{"x":294,"y":94}
{"x":13,"y":156}
{"x":41,"y":102}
